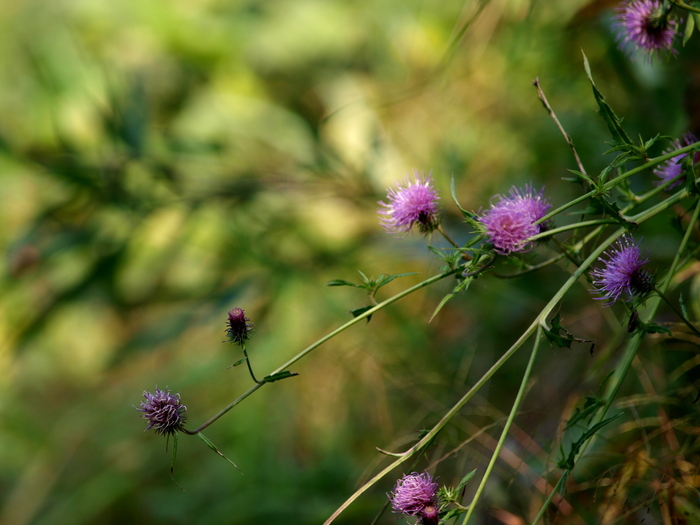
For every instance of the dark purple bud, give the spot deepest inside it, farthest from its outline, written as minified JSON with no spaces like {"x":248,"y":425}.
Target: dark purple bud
{"x":239,"y":327}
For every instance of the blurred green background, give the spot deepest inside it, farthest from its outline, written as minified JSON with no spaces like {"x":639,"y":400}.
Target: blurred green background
{"x":162,"y":162}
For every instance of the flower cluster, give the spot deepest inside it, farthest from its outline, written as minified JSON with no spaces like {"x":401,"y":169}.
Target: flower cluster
{"x":414,"y":203}
{"x":622,"y":271}
{"x":672,"y":168}
{"x":239,"y":327}
{"x":511,"y":222}
{"x":415,"y":495}
{"x":645,"y":27}
{"x":163,"y":411}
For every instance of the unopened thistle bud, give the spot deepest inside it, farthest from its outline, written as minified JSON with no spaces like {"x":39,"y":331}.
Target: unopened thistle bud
{"x":163,"y":411}
{"x":239,"y":327}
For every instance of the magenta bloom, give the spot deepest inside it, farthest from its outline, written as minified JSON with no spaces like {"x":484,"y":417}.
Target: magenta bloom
{"x":622,"y":271}
{"x":644,"y":27}
{"x":673,"y":167}
{"x":415,"y":494}
{"x":239,"y":327}
{"x":511,"y":222}
{"x":414,"y":203}
{"x":163,"y":411}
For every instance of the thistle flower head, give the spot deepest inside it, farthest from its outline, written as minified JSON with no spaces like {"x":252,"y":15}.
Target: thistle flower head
{"x":414,"y":494}
{"x":239,"y":327}
{"x":163,"y":411}
{"x":622,"y":271}
{"x":644,"y":27}
{"x":416,"y":202}
{"x":511,"y":222}
{"x":673,"y":167}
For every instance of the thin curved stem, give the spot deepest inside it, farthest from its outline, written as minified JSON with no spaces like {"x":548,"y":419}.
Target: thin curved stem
{"x":318,"y":343}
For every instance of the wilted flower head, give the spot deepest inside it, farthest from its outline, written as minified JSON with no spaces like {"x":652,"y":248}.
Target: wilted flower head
{"x":239,"y":326}
{"x":416,"y":202}
{"x":673,"y":167}
{"x":622,"y":271}
{"x":644,"y":26}
{"x":510,"y":222}
{"x":163,"y":411}
{"x":414,"y":495}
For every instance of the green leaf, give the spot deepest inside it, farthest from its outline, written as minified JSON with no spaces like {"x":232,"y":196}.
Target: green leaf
{"x":568,"y":462}
{"x":284,"y":374}
{"x":562,"y":337}
{"x":465,"y":480}
{"x":459,"y":288}
{"x":213,"y":447}
{"x":240,"y":361}
{"x":385,"y":279}
{"x":342,"y":282}
{"x":359,"y":311}
{"x":619,"y":135}
{"x":470,"y":217}
{"x":689,"y":27}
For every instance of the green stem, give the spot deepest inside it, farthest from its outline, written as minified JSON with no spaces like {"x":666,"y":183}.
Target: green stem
{"x":541,"y":318}
{"x":621,"y":370}
{"x":250,"y":368}
{"x":677,"y":311}
{"x":506,"y":428}
{"x":318,"y":343}
{"x":685,"y":6}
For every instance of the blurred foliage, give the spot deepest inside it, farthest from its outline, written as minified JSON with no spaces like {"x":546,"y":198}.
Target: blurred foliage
{"x":162,"y":162}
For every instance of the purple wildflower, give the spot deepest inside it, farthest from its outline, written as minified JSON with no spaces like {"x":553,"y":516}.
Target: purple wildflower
{"x":163,"y":411}
{"x":622,"y":271}
{"x":511,"y":222}
{"x":415,"y":495}
{"x":414,"y":203}
{"x":239,"y":327}
{"x":673,"y":167}
{"x":644,"y":26}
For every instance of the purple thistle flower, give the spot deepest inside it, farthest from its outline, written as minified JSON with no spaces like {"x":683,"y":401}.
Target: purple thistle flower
{"x":510,"y":223}
{"x":622,"y":271}
{"x":673,"y":167}
{"x":239,"y":327}
{"x":163,"y":411}
{"x":644,"y":26}
{"x":414,"y":494}
{"x":414,"y":203}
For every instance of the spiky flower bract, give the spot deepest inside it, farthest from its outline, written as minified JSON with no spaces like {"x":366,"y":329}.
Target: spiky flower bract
{"x":163,"y":411}
{"x":673,"y":167}
{"x":415,"y":495}
{"x":511,"y":222}
{"x":622,"y":271}
{"x":415,"y":202}
{"x":239,"y":327}
{"x":644,"y":27}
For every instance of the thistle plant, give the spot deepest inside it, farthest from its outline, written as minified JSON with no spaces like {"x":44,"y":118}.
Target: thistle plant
{"x":590,"y":240}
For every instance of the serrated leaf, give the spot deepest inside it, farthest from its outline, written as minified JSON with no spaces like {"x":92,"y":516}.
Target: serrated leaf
{"x":689,"y":27}
{"x":562,"y":337}
{"x":619,"y":135}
